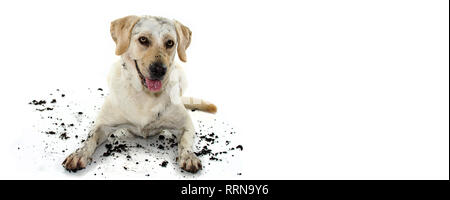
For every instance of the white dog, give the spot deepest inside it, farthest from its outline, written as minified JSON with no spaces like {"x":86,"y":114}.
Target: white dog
{"x":146,"y":88}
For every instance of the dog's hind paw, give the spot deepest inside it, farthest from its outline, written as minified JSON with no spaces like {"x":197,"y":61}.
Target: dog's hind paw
{"x":76,"y":161}
{"x":189,"y":162}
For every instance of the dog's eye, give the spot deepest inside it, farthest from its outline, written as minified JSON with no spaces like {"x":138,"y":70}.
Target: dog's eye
{"x":169,"y":44}
{"x":144,"y":41}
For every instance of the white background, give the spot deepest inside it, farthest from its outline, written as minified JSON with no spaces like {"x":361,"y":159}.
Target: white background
{"x":317,"y":89}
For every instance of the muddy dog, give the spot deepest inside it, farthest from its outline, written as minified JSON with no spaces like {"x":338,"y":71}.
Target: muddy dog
{"x":146,"y":88}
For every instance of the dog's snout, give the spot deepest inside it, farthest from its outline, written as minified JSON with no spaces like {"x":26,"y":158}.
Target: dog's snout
{"x":157,"y":70}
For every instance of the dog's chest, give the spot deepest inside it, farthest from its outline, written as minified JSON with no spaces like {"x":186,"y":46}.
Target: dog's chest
{"x":150,"y":118}
{"x":171,"y":118}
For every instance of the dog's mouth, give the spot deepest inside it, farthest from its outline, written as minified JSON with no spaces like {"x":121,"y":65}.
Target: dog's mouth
{"x":153,"y":85}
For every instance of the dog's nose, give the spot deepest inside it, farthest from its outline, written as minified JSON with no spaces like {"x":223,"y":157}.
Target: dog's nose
{"x":157,"y":70}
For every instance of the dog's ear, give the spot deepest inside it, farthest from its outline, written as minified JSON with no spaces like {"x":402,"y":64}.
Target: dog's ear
{"x":121,"y":32}
{"x":184,"y":39}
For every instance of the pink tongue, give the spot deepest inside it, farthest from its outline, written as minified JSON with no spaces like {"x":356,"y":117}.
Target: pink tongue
{"x":153,"y":85}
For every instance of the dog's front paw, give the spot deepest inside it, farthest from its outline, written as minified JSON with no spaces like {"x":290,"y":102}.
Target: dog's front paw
{"x":77,"y":160}
{"x":189,"y":162}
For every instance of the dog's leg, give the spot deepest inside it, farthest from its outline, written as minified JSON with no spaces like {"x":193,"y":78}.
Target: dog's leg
{"x":82,"y":156}
{"x":186,"y":157}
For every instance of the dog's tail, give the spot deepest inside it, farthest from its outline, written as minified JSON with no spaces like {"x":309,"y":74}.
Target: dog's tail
{"x":199,"y":104}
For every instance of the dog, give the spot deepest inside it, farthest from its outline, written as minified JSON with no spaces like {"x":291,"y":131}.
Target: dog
{"x":146,"y":88}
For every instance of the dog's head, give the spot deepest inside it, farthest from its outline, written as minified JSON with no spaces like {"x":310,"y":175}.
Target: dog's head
{"x":150,"y":43}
